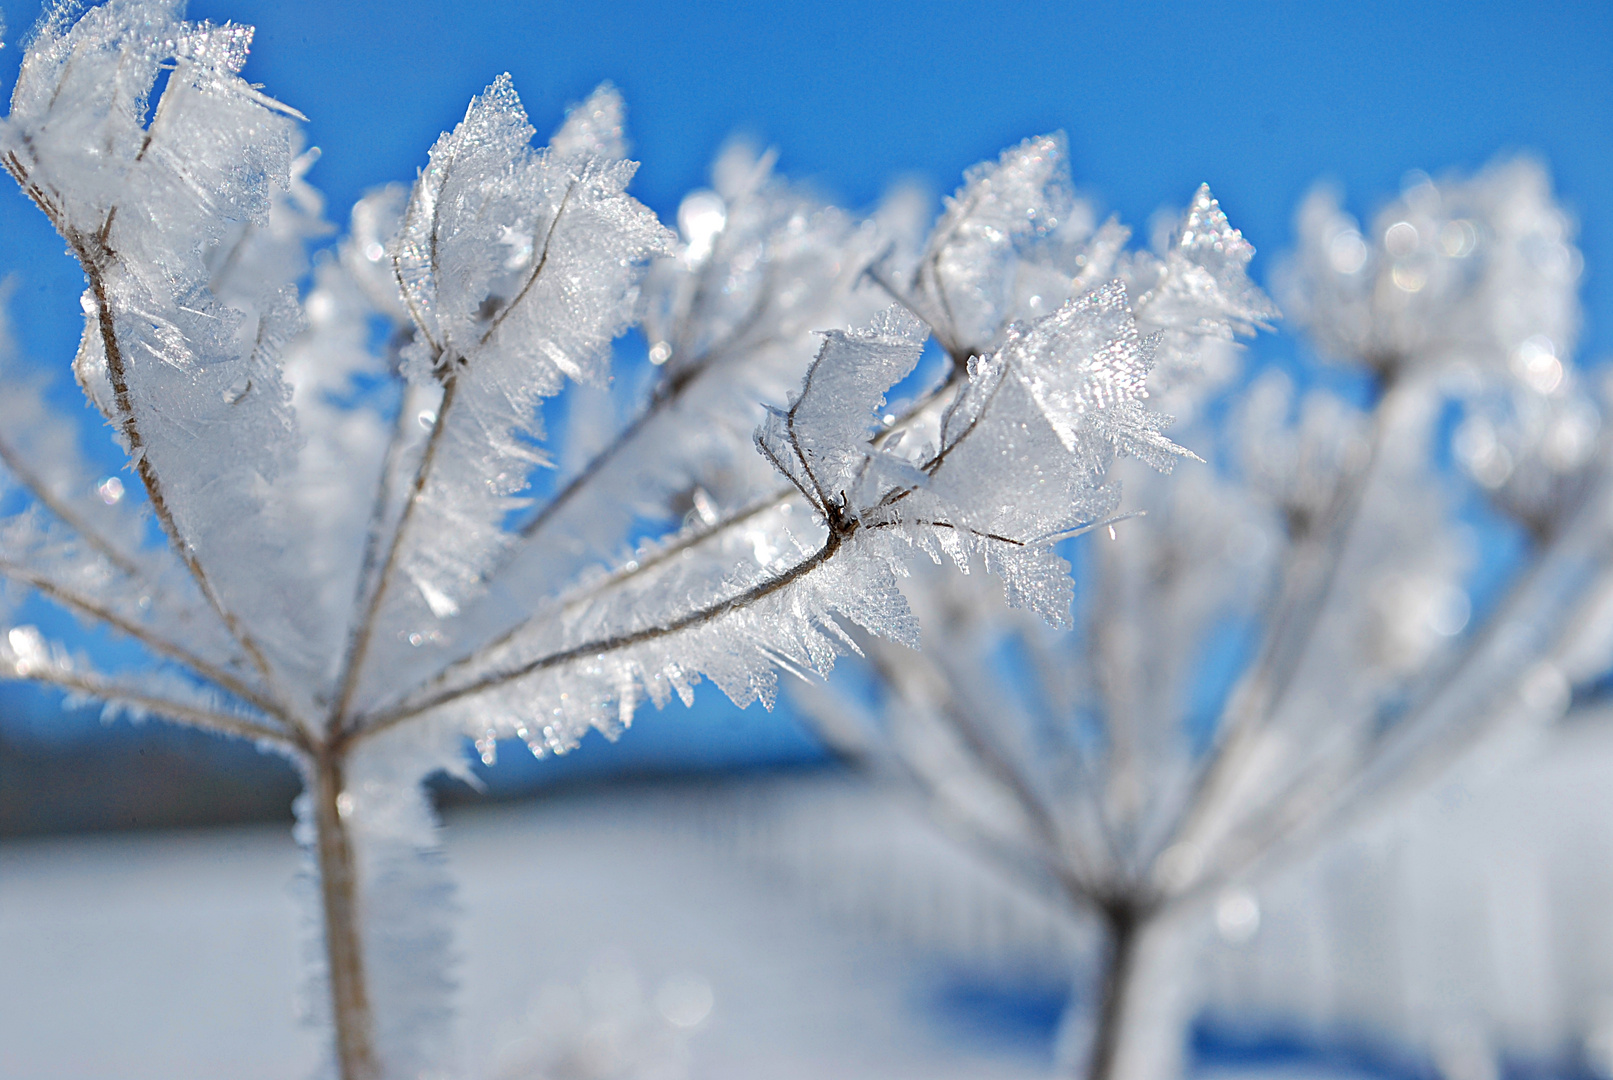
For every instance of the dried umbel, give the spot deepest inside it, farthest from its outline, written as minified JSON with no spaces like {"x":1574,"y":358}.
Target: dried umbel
{"x":1473,"y":280}
{"x":1291,"y":635}
{"x":355,"y":556}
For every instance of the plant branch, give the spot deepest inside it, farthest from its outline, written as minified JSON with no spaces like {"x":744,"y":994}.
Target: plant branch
{"x":95,"y":255}
{"x":382,"y":500}
{"x":106,"y":690}
{"x":537,"y":268}
{"x":364,"y":727}
{"x":1124,"y":925}
{"x":415,"y":314}
{"x":153,"y":483}
{"x":64,"y":510}
{"x":155,"y":642}
{"x":344,"y":943}
{"x":1288,"y":639}
{"x":668,"y":394}
{"x":683,"y":543}
{"x":958,"y":716}
{"x":1287,"y":831}
{"x":363,"y":630}
{"x":611,"y":581}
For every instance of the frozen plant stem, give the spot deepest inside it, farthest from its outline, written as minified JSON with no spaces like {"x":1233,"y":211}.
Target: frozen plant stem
{"x":344,"y":947}
{"x":1123,"y":925}
{"x":364,"y":626}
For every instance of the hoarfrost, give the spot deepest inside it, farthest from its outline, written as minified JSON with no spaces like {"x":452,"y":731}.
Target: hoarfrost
{"x":350,"y":554}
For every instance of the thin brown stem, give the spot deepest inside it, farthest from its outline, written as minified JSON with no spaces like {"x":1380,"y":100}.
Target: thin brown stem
{"x":363,"y":631}
{"x":364,"y":727}
{"x":135,"y":438}
{"x":537,"y":267}
{"x":156,"y":643}
{"x":383,"y":499}
{"x":195,"y":716}
{"x":668,"y":394}
{"x":595,"y":466}
{"x":63,"y":510}
{"x":620,"y":577}
{"x":933,"y":466}
{"x":344,"y":946}
{"x":415,"y":314}
{"x":95,"y":255}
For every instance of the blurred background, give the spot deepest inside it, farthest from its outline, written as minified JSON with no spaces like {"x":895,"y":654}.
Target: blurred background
{"x":915,"y":945}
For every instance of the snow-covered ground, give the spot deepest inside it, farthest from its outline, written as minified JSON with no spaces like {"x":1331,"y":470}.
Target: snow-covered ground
{"x":811,"y":926}
{"x":177,"y":955}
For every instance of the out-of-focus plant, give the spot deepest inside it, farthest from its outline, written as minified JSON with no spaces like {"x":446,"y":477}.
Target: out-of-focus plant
{"x":1465,"y":929}
{"x":344,"y":553}
{"x":1291,"y":635}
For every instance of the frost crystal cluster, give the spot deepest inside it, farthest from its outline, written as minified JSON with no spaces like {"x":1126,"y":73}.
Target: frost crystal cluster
{"x":1288,"y":636}
{"x":360,"y":558}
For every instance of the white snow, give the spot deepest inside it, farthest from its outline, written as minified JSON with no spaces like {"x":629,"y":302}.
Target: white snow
{"x":177,"y":955}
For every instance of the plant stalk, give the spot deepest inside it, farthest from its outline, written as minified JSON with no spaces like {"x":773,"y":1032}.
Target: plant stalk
{"x":1124,"y":926}
{"x":344,"y":949}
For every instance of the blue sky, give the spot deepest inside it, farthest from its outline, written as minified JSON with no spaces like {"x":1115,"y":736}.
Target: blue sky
{"x":1257,"y":99}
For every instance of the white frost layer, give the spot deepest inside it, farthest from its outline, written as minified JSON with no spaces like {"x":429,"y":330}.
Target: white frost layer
{"x":177,"y":955}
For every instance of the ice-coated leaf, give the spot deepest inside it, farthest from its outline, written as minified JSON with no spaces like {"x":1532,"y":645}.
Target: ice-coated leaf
{"x":1194,"y":292}
{"x":1086,"y":357}
{"x":1204,"y":287}
{"x":821,"y":441}
{"x":962,"y":285}
{"x":518,"y":267}
{"x":594,"y":128}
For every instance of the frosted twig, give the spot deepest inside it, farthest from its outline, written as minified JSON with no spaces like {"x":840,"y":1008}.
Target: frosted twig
{"x":1295,"y":825}
{"x":365,"y":726}
{"x":94,"y":256}
{"x":668,"y":393}
{"x":363,"y":628}
{"x":715,"y":531}
{"x":64,"y":511}
{"x":143,"y":634}
{"x":537,"y":268}
{"x":959,"y":717}
{"x":108,"y":690}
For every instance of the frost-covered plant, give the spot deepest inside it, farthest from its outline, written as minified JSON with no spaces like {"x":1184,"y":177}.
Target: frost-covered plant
{"x":1288,"y":636}
{"x":354,"y":557}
